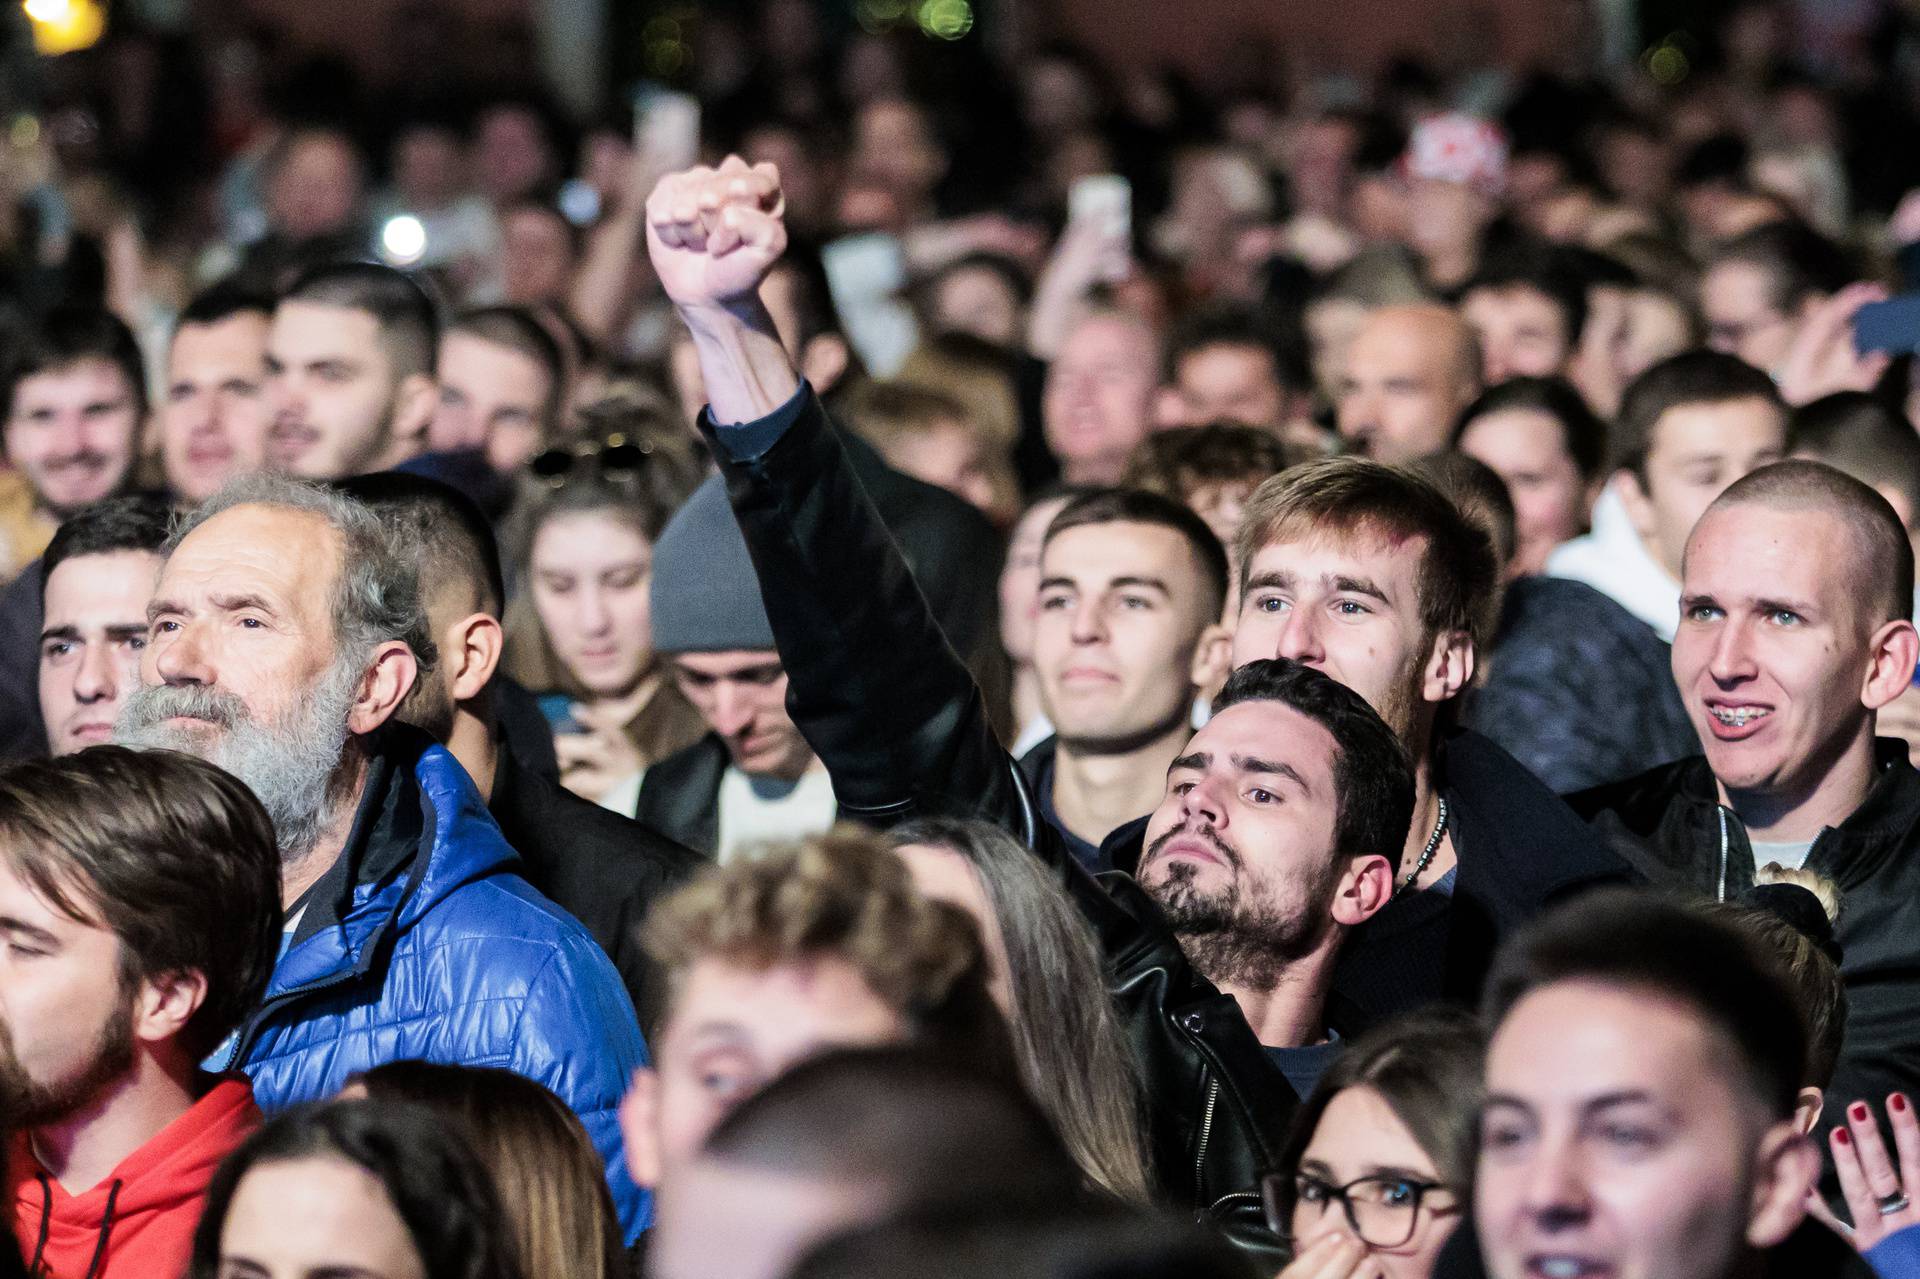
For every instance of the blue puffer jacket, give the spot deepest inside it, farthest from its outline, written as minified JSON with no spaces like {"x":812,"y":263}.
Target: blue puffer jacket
{"x":432,"y":947}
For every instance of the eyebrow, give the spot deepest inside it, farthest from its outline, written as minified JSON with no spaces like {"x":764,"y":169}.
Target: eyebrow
{"x":20,"y":927}
{"x":1199,"y":760}
{"x":1282,"y":579}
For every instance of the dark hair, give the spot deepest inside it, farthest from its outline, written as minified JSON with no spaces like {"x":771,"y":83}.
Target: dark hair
{"x":1055,"y":1245}
{"x":173,"y":855}
{"x":998,"y":265}
{"x":134,"y":523}
{"x":1882,"y":568}
{"x":222,"y":302}
{"x":67,"y":335}
{"x":1372,"y":773}
{"x":1427,"y":1067}
{"x":1856,"y":433}
{"x":436,"y":1186}
{"x":1544,"y":270}
{"x":517,"y":329}
{"x":552,"y":1184}
{"x":440,"y":527}
{"x":1691,"y":377}
{"x":409,"y":322}
{"x":929,"y":1131}
{"x":1243,"y":328}
{"x":1798,"y":260}
{"x":1635,"y":940}
{"x":1180,"y":462}
{"x":1791,"y":923}
{"x":1348,"y":496}
{"x":1137,"y":506}
{"x":1582,"y":433}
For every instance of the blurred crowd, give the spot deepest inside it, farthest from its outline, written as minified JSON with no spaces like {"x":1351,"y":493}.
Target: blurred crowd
{"x":913,"y":654}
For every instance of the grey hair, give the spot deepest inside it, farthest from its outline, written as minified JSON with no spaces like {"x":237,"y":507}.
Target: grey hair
{"x":378,"y":597}
{"x":1066,"y":1035}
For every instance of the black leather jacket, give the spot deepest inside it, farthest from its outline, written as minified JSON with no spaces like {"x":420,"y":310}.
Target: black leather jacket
{"x":890,"y":709}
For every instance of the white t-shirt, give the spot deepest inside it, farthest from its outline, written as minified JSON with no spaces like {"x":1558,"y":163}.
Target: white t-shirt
{"x":754,"y":812}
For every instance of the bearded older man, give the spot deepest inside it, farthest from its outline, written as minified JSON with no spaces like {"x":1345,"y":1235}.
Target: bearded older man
{"x":285,"y":632}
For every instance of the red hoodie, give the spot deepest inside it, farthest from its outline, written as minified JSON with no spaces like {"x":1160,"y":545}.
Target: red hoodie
{"x":138,"y":1223}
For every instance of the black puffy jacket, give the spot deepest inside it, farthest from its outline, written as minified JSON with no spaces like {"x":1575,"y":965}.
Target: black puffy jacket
{"x":890,"y":709}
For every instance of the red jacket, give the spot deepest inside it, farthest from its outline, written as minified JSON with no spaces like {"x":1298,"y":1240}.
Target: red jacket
{"x":137,"y":1223}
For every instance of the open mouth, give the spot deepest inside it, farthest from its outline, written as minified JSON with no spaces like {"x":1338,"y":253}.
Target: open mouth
{"x":1565,"y":1267}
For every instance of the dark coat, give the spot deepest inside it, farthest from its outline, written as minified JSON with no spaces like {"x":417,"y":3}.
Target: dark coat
{"x":1671,"y":824}
{"x":603,"y":869}
{"x":904,"y":732}
{"x":680,"y":795}
{"x":22,"y":735}
{"x":1810,"y":1252}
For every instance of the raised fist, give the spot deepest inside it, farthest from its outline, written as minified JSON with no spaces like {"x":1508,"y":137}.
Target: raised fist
{"x":713,"y":234}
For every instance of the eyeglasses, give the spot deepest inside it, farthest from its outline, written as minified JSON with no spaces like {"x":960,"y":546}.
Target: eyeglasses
{"x":1383,"y":1211}
{"x":616,"y":457}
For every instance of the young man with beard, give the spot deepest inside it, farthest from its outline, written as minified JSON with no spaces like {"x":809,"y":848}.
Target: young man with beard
{"x":1281,"y":822}
{"x":350,"y":382}
{"x":140,"y":912}
{"x":1795,"y":631}
{"x":286,"y":630}
{"x":1127,"y":634}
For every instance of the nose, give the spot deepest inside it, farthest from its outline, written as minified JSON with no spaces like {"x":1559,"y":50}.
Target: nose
{"x":1204,"y":804}
{"x":1299,"y":638}
{"x":590,"y":613}
{"x":1555,"y":1192}
{"x":176,"y":658}
{"x":96,"y":680}
{"x":1089,"y":625}
{"x":1731,"y":661}
{"x":732,"y":709}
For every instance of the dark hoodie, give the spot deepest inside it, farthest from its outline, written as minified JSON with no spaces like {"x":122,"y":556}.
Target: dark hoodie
{"x":139,"y":1221}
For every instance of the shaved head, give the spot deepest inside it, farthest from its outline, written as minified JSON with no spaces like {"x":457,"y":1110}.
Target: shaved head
{"x":1881,"y":573}
{"x":1410,"y":371}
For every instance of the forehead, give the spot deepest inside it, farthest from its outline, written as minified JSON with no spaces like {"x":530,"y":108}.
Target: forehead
{"x":1750,"y":549}
{"x":789,"y":1006}
{"x":583,"y":539}
{"x":1574,"y":1040}
{"x":116,"y":582}
{"x":21,"y":901}
{"x":1730,"y":426}
{"x":84,"y":378}
{"x":1392,"y":563}
{"x":1220,"y":359}
{"x":250,"y":548}
{"x":1358,"y":1130}
{"x":468,"y":357}
{"x":1106,"y":337}
{"x":1515,"y":432}
{"x":243,"y":335}
{"x":1119,"y":548}
{"x":1515,"y":301}
{"x":1398,"y":343}
{"x":722,"y":665}
{"x":320,"y":329}
{"x":1271,"y":731}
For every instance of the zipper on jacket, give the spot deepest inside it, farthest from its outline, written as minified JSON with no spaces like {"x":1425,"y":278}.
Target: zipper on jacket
{"x":1213,"y":1209}
{"x":1206,"y":1135}
{"x":1721,"y":810}
{"x":246,"y":1036}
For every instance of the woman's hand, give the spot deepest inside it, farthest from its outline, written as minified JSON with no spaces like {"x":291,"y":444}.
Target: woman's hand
{"x":1876,"y":1189}
{"x":594,"y":762}
{"x":1334,"y":1255}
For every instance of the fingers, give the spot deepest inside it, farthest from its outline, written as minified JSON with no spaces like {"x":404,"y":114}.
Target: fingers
{"x":1861,"y":1205}
{"x":690,"y":210}
{"x":1906,"y":1139}
{"x":1881,"y":1178}
{"x":1335,"y":1255}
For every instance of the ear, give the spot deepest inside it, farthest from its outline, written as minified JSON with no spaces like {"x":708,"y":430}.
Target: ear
{"x":1449,"y":667}
{"x":1807,"y":1108}
{"x":472,"y":646}
{"x":413,"y":405}
{"x":1639,"y":507}
{"x":390,"y":677}
{"x":1786,"y":1169}
{"x":640,"y":1128}
{"x":1891,"y":656}
{"x":824,"y":361}
{"x":1364,"y":891}
{"x":1212,"y":658}
{"x":165,"y":1003}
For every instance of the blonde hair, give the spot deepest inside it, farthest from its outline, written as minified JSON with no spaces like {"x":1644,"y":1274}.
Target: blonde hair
{"x":843,"y":895}
{"x":1811,"y":973}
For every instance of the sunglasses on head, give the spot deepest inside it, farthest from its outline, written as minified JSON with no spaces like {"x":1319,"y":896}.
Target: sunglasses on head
{"x":614,"y":456}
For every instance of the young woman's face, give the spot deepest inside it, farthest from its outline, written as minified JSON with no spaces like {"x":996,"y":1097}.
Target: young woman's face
{"x":1360,"y":1140}
{"x":590,"y":572}
{"x":318,"y":1215}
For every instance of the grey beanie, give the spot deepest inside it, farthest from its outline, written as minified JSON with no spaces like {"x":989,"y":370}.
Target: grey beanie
{"x":705,"y":596}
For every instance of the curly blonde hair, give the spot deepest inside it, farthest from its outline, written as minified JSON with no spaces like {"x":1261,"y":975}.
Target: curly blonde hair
{"x":844,"y":894}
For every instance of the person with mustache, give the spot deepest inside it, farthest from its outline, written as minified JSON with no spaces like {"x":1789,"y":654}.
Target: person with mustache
{"x":287,"y":630}
{"x":1281,"y":824}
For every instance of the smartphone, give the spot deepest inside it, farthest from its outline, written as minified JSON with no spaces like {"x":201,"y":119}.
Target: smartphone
{"x":865,"y":275}
{"x":666,"y":126}
{"x":1892,"y":326}
{"x":558,"y":708}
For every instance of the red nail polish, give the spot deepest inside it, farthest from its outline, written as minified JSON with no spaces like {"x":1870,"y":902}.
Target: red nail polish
{"x":1858,"y":1112}
{"x":1897,"y":1102}
{"x":1841,"y":1137}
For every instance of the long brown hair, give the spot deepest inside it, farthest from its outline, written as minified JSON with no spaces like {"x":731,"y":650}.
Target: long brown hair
{"x":1066,"y":1037}
{"x":558,"y":1210}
